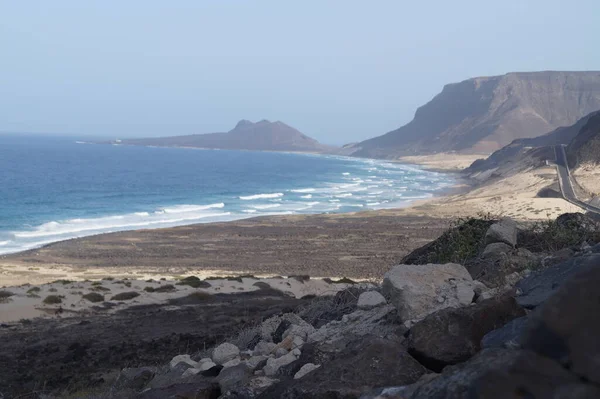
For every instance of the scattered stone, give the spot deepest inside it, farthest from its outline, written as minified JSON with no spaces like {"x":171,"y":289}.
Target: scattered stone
{"x":182,"y":359}
{"x":281,"y":352}
{"x":277,"y":335}
{"x":506,"y":336}
{"x":231,"y":363}
{"x":301,"y":331}
{"x":191,"y":371}
{"x":505,"y":231}
{"x":451,"y":336}
{"x":205,"y":364}
{"x":135,"y":378}
{"x":370,"y":299}
{"x":418,"y":290}
{"x":224,"y":353}
{"x":307,"y":368}
{"x":254,"y":362}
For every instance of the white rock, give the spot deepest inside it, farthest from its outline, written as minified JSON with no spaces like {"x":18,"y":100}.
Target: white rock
{"x":296,"y":352}
{"x":370,"y":299}
{"x":418,"y":290}
{"x":182,"y":359}
{"x":231,"y":363}
{"x":263,"y":348}
{"x":275,"y":364}
{"x":503,"y":231}
{"x":190,"y":372}
{"x":307,"y":368}
{"x":224,"y":353}
{"x":281,"y":352}
{"x":297,"y":342}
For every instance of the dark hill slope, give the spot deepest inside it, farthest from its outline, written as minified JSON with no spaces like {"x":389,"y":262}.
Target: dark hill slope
{"x":585,"y":147}
{"x":486,"y":113}
{"x":260,"y":136}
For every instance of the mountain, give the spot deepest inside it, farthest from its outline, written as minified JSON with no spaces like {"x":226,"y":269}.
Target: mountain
{"x":486,"y":113}
{"x":518,"y":150}
{"x":259,"y":136}
{"x":585,"y":147}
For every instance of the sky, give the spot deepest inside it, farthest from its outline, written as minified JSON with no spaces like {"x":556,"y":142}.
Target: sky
{"x":339,"y":71}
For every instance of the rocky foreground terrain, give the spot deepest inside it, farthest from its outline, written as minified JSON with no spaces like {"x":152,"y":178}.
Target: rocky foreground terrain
{"x":491,"y":309}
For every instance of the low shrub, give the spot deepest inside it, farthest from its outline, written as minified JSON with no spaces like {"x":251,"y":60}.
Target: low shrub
{"x":93,"y":297}
{"x":33,"y":290}
{"x":194,"y":282}
{"x":125,"y":296}
{"x":53,"y":299}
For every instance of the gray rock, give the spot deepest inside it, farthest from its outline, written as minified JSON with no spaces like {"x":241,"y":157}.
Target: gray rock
{"x":505,"y":231}
{"x":231,"y":363}
{"x":182,"y":359}
{"x":566,"y":327}
{"x":370,"y":299}
{"x":497,"y":374}
{"x":595,"y":249}
{"x":233,"y":377}
{"x":274,"y":364}
{"x":135,"y":378}
{"x":540,"y":285}
{"x":224,"y":353}
{"x":418,"y":290}
{"x":302,"y":331}
{"x":281,"y":352}
{"x":506,"y":336}
{"x":451,"y":336}
{"x":307,"y":368}
{"x":496,"y":249}
{"x":183,"y":390}
{"x":205,"y":364}
{"x":254,"y":361}
{"x":264,"y":348}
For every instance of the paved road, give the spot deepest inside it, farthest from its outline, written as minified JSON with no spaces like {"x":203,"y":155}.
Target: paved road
{"x":564,"y":180}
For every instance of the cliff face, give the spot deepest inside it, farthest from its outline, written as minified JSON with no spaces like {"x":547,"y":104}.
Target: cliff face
{"x":585,"y":147}
{"x":484,"y":114}
{"x":260,"y":136}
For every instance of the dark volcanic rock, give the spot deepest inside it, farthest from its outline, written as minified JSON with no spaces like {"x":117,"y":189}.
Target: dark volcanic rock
{"x":352,"y":373}
{"x":234,"y":377}
{"x":502,"y":374}
{"x":494,"y":266}
{"x":506,"y":336}
{"x":540,"y":285}
{"x":452,"y":335}
{"x":278,"y":333}
{"x":566,"y":327}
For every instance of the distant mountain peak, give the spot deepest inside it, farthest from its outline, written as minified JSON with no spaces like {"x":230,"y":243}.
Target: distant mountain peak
{"x":243,"y":123}
{"x":485,"y":113}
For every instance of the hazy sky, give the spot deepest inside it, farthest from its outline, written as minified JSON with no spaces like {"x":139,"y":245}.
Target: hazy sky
{"x":339,"y":71}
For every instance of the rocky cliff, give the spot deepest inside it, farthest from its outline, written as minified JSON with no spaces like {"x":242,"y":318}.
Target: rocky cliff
{"x":486,"y":113}
{"x":259,"y":136}
{"x":585,"y":147}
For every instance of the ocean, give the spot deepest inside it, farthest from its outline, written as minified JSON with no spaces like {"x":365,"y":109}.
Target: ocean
{"x":57,"y":188}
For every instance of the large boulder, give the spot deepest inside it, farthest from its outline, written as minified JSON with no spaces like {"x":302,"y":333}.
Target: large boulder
{"x":353,"y":372}
{"x":540,"y":285}
{"x":233,"y":377}
{"x":507,"y":336}
{"x":451,"y":336}
{"x":418,"y":290}
{"x":498,"y":261}
{"x":224,"y":353}
{"x":567,"y":327}
{"x":370,"y":299}
{"x":505,"y":231}
{"x":504,"y":373}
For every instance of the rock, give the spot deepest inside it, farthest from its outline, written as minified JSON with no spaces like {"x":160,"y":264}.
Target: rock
{"x":307,"y":368}
{"x":296,"y":352}
{"x":402,"y":392}
{"x":213,"y":371}
{"x":493,"y":268}
{"x":264,"y":348}
{"x":269,"y":326}
{"x":595,"y":249}
{"x":253,"y":342}
{"x":451,"y":336}
{"x":187,"y":390}
{"x":205,"y":364}
{"x":504,"y":231}
{"x":496,"y":249}
{"x":506,"y":336}
{"x":182,"y":359}
{"x":375,"y":362}
{"x":254,"y":361}
{"x":370,"y":299}
{"x":231,"y":363}
{"x":190,"y":372}
{"x":281,"y":352}
{"x":224,"y":353}
{"x":297,"y":342}
{"x":135,"y":378}
{"x":301,"y":331}
{"x":418,"y":290}
{"x":274,"y":364}
{"x":233,"y":377}
{"x":499,"y":374}
{"x":541,"y":284}
{"x":566,"y":327}
{"x":277,"y":335}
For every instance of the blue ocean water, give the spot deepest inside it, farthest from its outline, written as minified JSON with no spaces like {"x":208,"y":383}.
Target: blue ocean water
{"x":54,"y":188}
